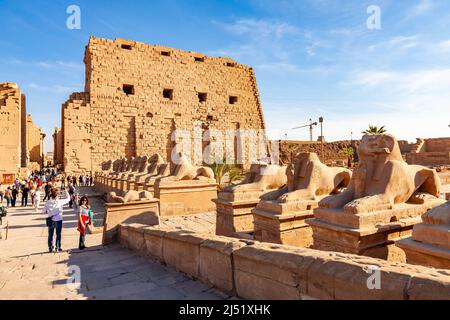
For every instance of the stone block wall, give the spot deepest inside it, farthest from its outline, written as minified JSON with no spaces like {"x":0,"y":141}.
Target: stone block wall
{"x":76,"y":132}
{"x":254,"y":270}
{"x":137,"y":94}
{"x":11,"y":129}
{"x":35,"y":137}
{"x":58,"y":157}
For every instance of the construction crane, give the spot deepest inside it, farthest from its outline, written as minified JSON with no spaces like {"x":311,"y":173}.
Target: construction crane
{"x":311,"y":127}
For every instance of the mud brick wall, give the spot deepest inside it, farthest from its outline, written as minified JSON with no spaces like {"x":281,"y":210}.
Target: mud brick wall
{"x":255,"y":270}
{"x":437,"y":145}
{"x":11,"y":105}
{"x":333,"y":151}
{"x":137,"y":94}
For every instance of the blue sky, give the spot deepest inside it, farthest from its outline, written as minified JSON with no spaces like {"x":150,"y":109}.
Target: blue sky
{"x":312,"y":57}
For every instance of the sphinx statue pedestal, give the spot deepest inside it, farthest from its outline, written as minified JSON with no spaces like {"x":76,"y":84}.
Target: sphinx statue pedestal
{"x":139,"y":186}
{"x":428,"y":246}
{"x":370,"y":234}
{"x":430,"y":241}
{"x":122,"y":184}
{"x":284,"y":223}
{"x":234,"y":211}
{"x":185,"y":197}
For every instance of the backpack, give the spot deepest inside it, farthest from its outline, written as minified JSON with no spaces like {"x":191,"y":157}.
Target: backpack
{"x":3,"y":211}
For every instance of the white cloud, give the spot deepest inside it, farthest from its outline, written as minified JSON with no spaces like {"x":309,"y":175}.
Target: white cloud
{"x":419,"y":101}
{"x":397,"y":43}
{"x":54,"y":88}
{"x":444,"y":45}
{"x":421,"y":8}
{"x":261,"y":28}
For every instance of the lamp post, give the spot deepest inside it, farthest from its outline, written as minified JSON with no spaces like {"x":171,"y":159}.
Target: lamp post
{"x":321,"y":137}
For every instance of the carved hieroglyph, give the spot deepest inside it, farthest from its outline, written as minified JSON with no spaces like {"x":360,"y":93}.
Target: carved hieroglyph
{"x":383,"y":179}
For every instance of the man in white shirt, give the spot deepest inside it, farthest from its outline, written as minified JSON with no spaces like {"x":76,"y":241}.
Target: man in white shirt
{"x":54,"y":210}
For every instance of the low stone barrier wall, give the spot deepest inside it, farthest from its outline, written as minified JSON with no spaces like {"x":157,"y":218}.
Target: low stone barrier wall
{"x":255,"y":270}
{"x":145,"y":212}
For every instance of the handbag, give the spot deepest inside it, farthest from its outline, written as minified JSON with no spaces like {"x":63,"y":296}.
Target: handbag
{"x":49,"y":221}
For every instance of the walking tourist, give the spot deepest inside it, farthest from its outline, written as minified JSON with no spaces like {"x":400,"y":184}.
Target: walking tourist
{"x":32,"y":193}
{"x":84,"y":219}
{"x":37,"y":198}
{"x":71,"y":194}
{"x":47,"y":190}
{"x":25,"y":191}
{"x":14,"y":193}
{"x":54,"y":210}
{"x":2,"y":194}
{"x":8,"y":196}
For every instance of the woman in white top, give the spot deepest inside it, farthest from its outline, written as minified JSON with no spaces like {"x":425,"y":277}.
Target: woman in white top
{"x":54,"y":209}
{"x":37,"y":198}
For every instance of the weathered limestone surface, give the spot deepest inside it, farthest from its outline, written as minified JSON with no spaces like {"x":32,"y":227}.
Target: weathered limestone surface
{"x":430,"y":152}
{"x":384,"y":200}
{"x":76,"y":132}
{"x":235,"y":203}
{"x":137,"y":94}
{"x":284,"y":223}
{"x":12,"y":128}
{"x":185,"y":197}
{"x":35,"y":138}
{"x":255,"y":270}
{"x":145,"y":212}
{"x":188,"y":190}
{"x":58,"y":157}
{"x":430,"y":241}
{"x":280,"y":216}
{"x":333,"y":152}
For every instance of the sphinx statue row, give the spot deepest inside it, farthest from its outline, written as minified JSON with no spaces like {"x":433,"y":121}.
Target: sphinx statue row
{"x":366,"y":211}
{"x":175,"y":185}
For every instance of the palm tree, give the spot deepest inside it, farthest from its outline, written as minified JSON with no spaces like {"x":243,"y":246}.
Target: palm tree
{"x":374,"y":130}
{"x":222,"y":168}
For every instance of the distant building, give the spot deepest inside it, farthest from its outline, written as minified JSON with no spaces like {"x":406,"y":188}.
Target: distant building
{"x":49,"y":159}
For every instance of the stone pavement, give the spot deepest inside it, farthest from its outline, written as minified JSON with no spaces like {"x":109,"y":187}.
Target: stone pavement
{"x":28,"y":271}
